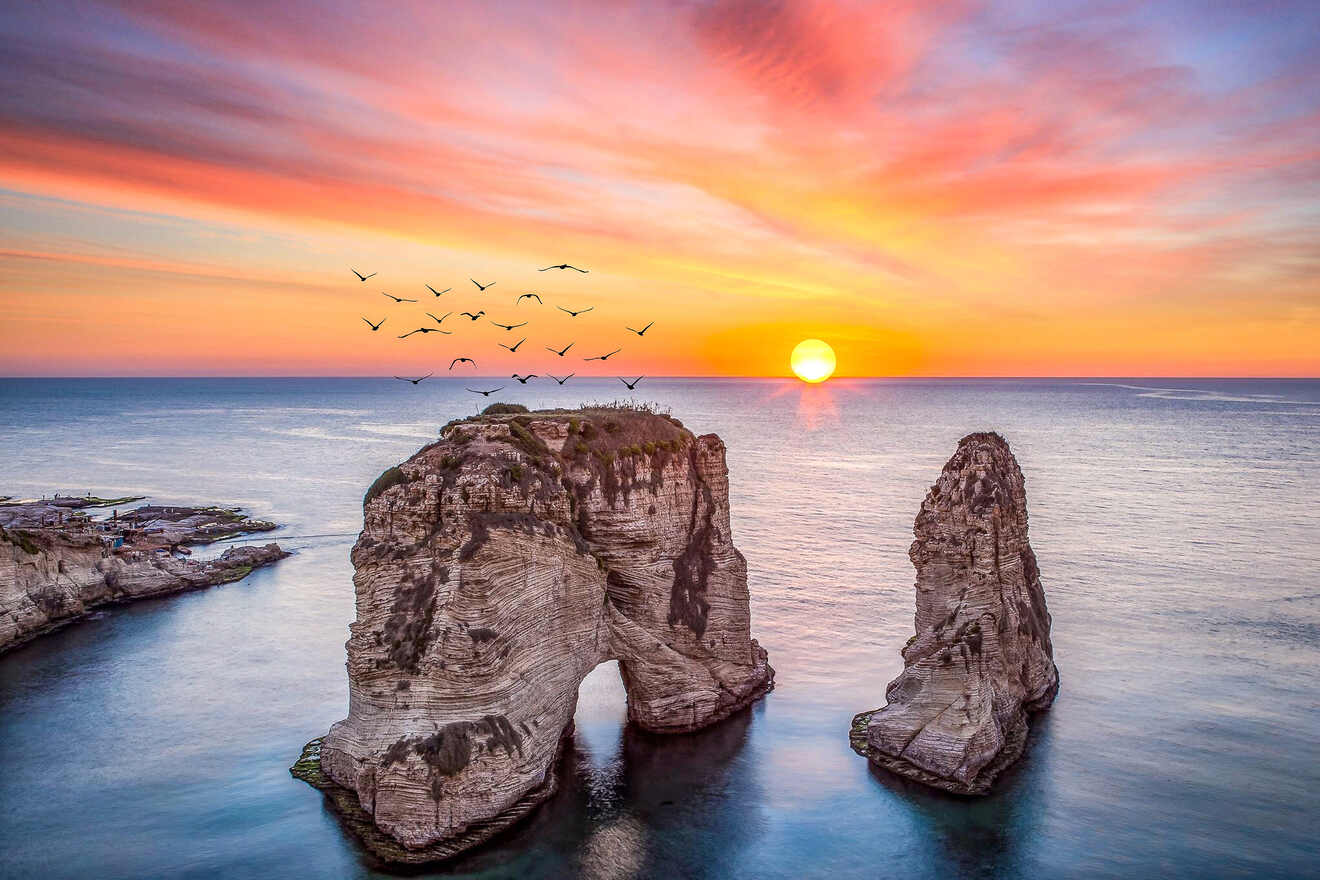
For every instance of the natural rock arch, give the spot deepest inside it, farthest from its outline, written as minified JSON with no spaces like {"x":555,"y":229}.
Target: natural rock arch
{"x":495,"y":569}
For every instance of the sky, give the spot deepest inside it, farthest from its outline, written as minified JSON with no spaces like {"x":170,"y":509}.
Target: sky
{"x":935,"y":189}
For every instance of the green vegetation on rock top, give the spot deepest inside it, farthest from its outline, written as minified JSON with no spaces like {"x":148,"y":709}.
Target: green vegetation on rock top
{"x":94,"y":501}
{"x":501,"y":409}
{"x":21,"y":538}
{"x":393,"y":476}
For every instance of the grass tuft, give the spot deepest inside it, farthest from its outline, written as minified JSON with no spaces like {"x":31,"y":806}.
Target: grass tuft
{"x":390,"y":478}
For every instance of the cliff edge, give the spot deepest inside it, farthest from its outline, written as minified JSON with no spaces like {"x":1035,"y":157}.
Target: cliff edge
{"x":494,"y":570}
{"x":981,"y":660}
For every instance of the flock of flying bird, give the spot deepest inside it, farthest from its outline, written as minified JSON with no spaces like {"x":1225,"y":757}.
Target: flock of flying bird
{"x":508,"y":328}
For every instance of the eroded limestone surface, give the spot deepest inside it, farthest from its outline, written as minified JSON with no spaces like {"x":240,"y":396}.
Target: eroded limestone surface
{"x":495,"y":569}
{"x":981,"y":660}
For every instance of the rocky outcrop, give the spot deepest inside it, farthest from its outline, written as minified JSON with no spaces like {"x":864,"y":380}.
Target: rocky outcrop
{"x":57,"y":564}
{"x":981,"y":660}
{"x":495,"y":569}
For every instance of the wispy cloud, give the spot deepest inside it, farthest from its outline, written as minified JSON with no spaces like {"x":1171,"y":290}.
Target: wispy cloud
{"x":960,"y":176}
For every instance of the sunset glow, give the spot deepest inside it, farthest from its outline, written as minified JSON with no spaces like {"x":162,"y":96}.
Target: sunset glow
{"x":936,"y":188}
{"x":813,"y":361}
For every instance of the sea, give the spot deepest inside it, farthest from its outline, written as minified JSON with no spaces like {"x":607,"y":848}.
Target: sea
{"x":1176,"y":522}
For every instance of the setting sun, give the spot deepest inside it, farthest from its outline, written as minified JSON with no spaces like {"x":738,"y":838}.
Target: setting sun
{"x":813,"y":360}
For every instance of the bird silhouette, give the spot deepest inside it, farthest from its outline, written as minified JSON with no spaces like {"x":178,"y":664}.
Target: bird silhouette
{"x":514,"y":347}
{"x":438,"y":292}
{"x":485,"y":393}
{"x":523,"y":379}
{"x":573,"y":313}
{"x":561,"y":351}
{"x":604,"y":357}
{"x":462,"y":361}
{"x":376,"y":326}
{"x":563,"y":266}
{"x":415,"y":381}
{"x":472,"y":316}
{"x":439,"y":320}
{"x":362,"y":277}
{"x":481,"y":286}
{"x":509,"y":326}
{"x":528,"y":296}
{"x":563,"y":380}
{"x":633,"y":384}
{"x":641,"y":332}
{"x":425,"y":330}
{"x":397,"y":299}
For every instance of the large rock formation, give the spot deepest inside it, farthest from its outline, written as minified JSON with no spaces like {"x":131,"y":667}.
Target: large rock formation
{"x":981,"y":659}
{"x":57,"y":564}
{"x":495,"y":569}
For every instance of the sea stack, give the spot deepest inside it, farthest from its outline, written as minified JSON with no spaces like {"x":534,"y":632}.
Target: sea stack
{"x":981,"y":660}
{"x":495,"y":569}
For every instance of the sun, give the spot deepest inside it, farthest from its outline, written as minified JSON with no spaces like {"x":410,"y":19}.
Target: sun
{"x":813,"y":360}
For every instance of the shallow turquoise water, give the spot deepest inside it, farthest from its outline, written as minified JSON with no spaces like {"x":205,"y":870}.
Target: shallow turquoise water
{"x":1178,"y":541}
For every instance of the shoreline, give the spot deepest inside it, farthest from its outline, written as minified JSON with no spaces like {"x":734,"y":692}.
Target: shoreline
{"x":58,"y":565}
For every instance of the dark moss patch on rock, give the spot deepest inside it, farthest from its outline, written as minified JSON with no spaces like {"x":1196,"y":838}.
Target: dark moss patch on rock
{"x":448,"y":750}
{"x":408,"y":629}
{"x":480,"y":525}
{"x":451,"y":748}
{"x":687,"y":599}
{"x":397,"y":752}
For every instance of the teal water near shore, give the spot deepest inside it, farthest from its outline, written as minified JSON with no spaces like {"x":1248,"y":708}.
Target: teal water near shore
{"x":1178,"y":536}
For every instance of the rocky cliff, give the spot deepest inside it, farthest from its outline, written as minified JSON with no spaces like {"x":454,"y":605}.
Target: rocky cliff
{"x":57,"y":564}
{"x":495,"y":569}
{"x":981,"y":659}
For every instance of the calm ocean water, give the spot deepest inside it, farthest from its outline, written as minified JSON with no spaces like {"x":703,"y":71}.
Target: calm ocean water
{"x":1179,"y":542}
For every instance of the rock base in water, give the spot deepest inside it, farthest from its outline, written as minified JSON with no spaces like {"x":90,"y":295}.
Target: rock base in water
{"x":1014,"y":745}
{"x":981,"y":660}
{"x":345,"y":804}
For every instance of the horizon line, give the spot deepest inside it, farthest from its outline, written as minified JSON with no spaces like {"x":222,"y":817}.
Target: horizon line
{"x":1004,"y":377}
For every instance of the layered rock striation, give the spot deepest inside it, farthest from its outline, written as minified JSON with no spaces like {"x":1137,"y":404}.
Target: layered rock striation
{"x":57,"y":564}
{"x":981,"y":660}
{"x":494,"y":570}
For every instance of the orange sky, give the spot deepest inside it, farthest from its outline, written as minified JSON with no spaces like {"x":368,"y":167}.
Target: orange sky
{"x":934,"y":189}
